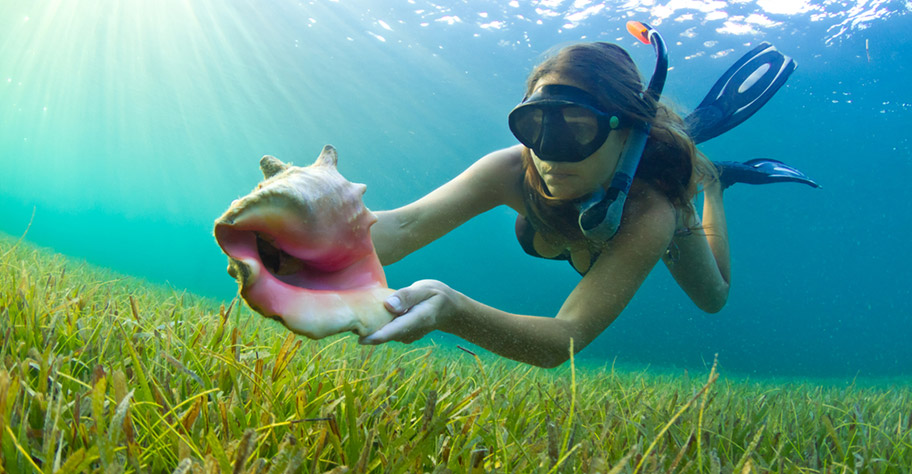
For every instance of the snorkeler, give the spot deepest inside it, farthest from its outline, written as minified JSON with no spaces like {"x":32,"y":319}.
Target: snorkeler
{"x":605,"y":177}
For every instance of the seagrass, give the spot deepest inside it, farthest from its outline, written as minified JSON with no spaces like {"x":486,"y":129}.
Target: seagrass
{"x":102,"y":372}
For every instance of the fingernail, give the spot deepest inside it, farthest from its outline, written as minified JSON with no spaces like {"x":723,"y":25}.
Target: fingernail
{"x":394,"y":302}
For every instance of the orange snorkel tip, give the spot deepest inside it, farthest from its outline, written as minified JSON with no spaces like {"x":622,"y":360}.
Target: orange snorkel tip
{"x":639,"y":31}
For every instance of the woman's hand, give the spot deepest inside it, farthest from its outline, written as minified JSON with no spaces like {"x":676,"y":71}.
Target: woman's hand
{"x":423,"y":307}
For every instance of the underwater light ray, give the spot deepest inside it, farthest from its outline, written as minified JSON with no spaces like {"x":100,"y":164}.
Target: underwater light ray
{"x":191,"y":71}
{"x":51,"y":59}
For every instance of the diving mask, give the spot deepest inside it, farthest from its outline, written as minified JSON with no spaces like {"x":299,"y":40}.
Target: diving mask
{"x":562,"y":123}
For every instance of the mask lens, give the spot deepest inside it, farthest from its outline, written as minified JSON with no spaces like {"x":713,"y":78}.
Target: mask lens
{"x":582,"y":123}
{"x":528,"y":125}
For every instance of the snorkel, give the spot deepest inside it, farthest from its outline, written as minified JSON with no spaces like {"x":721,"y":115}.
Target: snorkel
{"x":600,"y":214}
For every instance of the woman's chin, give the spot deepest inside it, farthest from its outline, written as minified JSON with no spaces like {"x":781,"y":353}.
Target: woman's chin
{"x":562,"y":189}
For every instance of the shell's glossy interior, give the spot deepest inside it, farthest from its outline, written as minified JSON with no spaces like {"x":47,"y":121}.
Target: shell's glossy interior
{"x":341,"y":268}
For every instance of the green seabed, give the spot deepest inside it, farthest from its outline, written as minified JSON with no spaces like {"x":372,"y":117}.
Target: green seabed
{"x":104,"y":372}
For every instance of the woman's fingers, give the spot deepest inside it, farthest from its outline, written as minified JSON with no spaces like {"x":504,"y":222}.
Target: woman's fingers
{"x":415,"y":315}
{"x":406,"y":328}
{"x":389,"y":332}
{"x":403,"y":299}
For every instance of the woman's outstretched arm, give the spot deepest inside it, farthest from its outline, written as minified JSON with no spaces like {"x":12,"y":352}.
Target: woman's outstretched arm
{"x":595,"y":303}
{"x":493,"y":180}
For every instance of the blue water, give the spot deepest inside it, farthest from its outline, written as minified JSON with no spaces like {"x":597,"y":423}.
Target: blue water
{"x":128,"y":127}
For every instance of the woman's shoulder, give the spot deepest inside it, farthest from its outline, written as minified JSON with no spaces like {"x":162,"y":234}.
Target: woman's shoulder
{"x":649,"y":208}
{"x":501,"y":172}
{"x":505,"y":161}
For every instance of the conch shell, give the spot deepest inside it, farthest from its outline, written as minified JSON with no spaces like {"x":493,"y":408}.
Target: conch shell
{"x":299,"y":246}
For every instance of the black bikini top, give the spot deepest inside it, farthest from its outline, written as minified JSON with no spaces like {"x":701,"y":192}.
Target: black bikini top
{"x":525,"y":234}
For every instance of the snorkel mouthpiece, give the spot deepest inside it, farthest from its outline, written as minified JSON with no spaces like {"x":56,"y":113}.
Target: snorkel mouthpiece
{"x":600,"y":215}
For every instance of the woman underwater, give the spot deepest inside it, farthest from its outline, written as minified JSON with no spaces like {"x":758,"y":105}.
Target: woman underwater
{"x":584,"y":112}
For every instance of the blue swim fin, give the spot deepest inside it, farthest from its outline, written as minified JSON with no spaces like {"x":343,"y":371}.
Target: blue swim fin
{"x":760,"y":171}
{"x":741,"y":91}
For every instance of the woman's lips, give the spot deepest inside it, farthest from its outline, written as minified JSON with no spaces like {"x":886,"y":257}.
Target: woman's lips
{"x":559,"y":175}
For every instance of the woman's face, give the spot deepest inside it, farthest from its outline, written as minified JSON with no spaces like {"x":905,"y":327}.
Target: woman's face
{"x":571,"y":180}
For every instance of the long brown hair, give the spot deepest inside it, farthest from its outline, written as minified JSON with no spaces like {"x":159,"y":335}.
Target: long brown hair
{"x":670,"y":162}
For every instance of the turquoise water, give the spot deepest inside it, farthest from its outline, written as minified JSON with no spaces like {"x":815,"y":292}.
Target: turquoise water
{"x":128,"y":127}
